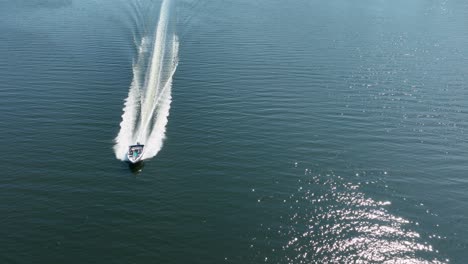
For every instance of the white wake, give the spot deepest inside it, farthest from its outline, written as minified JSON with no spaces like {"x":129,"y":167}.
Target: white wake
{"x":146,"y":109}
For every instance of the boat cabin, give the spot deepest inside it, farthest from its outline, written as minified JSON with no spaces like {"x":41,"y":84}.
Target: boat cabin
{"x":135,"y":153}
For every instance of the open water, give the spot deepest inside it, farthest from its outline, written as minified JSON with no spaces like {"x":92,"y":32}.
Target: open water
{"x":298,"y":131}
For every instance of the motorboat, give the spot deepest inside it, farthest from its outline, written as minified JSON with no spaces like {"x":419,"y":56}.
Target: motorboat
{"x":135,"y":153}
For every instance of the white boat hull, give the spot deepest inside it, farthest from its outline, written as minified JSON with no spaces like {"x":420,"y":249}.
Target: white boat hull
{"x":135,"y":153}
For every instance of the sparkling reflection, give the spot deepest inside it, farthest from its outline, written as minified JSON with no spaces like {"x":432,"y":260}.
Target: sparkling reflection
{"x":332,"y":221}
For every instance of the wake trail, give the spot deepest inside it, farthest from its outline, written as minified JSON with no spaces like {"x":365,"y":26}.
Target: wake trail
{"x":146,"y":109}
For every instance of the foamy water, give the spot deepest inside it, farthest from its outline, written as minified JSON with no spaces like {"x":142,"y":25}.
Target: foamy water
{"x":146,"y":110}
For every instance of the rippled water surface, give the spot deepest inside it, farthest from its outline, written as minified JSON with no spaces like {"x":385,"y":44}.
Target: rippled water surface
{"x":297,"y":131}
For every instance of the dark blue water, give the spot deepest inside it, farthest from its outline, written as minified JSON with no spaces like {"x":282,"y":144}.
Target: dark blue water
{"x":298,"y":132}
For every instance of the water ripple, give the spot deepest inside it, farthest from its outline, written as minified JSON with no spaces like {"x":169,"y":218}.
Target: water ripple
{"x":331,"y":220}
